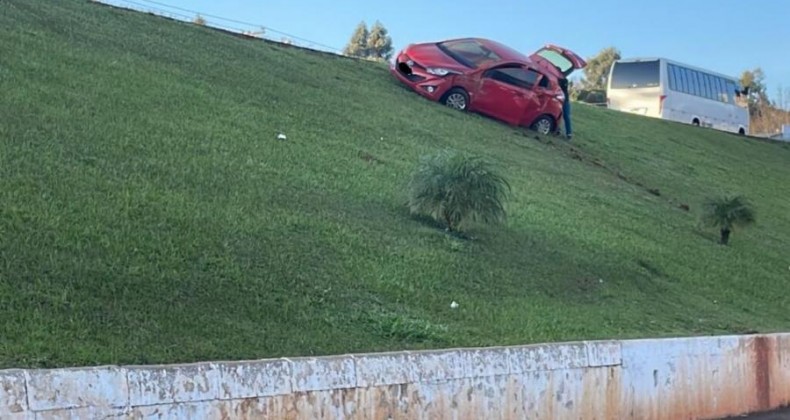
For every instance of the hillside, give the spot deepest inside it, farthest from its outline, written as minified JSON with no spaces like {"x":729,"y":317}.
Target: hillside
{"x":149,"y":214}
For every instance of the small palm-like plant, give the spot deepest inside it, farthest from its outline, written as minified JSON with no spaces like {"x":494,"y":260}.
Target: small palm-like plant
{"x":726,"y":213}
{"x":455,"y":188}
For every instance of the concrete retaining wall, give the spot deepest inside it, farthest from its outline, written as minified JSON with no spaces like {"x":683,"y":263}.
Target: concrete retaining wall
{"x":669,"y":379}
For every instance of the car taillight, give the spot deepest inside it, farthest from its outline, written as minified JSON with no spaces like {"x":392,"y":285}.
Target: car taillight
{"x":661,"y":103}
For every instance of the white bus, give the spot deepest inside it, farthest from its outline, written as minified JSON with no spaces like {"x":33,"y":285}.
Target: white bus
{"x":662,"y":88}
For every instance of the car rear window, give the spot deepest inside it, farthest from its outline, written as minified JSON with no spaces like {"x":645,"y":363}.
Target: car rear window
{"x":637,"y":74}
{"x":469,"y":52}
{"x":559,"y":60}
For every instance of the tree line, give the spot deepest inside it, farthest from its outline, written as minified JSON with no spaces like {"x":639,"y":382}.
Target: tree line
{"x":374,"y":43}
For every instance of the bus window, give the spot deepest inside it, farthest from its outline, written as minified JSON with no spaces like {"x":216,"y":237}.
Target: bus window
{"x":692,"y":75}
{"x":675,"y":82}
{"x":700,"y":84}
{"x":722,"y":89}
{"x":730,"y":90}
{"x":684,"y":84}
{"x":689,"y":81}
{"x":636,"y":74}
{"x":708,"y":86}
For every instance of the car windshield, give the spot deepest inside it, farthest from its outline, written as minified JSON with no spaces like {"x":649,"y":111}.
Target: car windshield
{"x":469,"y":52}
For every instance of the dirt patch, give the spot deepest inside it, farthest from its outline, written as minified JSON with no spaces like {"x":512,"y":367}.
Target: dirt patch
{"x":576,"y":153}
{"x":369,"y":158}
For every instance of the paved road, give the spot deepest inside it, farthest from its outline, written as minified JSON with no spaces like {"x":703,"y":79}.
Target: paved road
{"x":775,"y":415}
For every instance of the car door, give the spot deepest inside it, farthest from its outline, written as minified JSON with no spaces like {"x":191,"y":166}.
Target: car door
{"x":506,"y":92}
{"x":565,"y":60}
{"x":547,"y":101}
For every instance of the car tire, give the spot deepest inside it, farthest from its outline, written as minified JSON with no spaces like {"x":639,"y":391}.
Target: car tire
{"x":543,"y":125}
{"x":456,"y":98}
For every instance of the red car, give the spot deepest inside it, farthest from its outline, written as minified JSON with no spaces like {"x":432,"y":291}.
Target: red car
{"x":484,"y":76}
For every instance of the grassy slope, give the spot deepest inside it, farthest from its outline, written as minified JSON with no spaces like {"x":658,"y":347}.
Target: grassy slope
{"x":147,"y":213}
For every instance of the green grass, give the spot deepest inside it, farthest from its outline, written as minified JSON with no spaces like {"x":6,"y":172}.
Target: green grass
{"x":149,"y":214}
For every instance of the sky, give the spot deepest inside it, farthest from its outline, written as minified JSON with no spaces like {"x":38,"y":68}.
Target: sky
{"x":727,"y":36}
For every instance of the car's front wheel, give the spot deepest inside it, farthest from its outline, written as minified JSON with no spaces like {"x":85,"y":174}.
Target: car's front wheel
{"x":456,"y":98}
{"x":543,"y":125}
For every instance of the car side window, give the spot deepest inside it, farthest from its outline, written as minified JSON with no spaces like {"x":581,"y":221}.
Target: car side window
{"x":516,"y":76}
{"x":544,"y":81}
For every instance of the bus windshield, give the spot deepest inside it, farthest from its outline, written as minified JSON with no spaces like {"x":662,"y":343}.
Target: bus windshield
{"x":635,"y":74}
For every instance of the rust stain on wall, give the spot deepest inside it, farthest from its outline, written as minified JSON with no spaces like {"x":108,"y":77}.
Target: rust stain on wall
{"x":780,"y":371}
{"x":762,"y":369}
{"x":612,"y":409}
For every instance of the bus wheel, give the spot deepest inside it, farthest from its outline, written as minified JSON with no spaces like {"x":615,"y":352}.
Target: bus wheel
{"x":741,"y":132}
{"x":695,"y":123}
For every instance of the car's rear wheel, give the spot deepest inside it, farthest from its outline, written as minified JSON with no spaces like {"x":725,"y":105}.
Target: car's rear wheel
{"x":543,"y":125}
{"x":456,"y":98}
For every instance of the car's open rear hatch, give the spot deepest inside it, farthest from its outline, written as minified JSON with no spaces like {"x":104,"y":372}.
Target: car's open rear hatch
{"x":565,"y":60}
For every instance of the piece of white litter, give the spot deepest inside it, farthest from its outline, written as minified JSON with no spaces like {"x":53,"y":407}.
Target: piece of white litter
{"x":454,"y":305}
{"x":281,"y":136}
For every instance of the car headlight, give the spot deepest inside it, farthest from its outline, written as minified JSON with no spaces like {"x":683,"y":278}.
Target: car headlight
{"x":438,"y":71}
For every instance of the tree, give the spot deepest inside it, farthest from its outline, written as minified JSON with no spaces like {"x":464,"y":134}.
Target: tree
{"x":755,"y":81}
{"x":758,"y":92}
{"x":199,"y":20}
{"x":379,"y":43}
{"x":726,"y":213}
{"x":358,"y":45}
{"x":453,"y":188}
{"x":597,"y":69}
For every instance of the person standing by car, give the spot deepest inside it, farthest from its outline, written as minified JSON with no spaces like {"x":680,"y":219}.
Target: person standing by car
{"x":566,"y":108}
